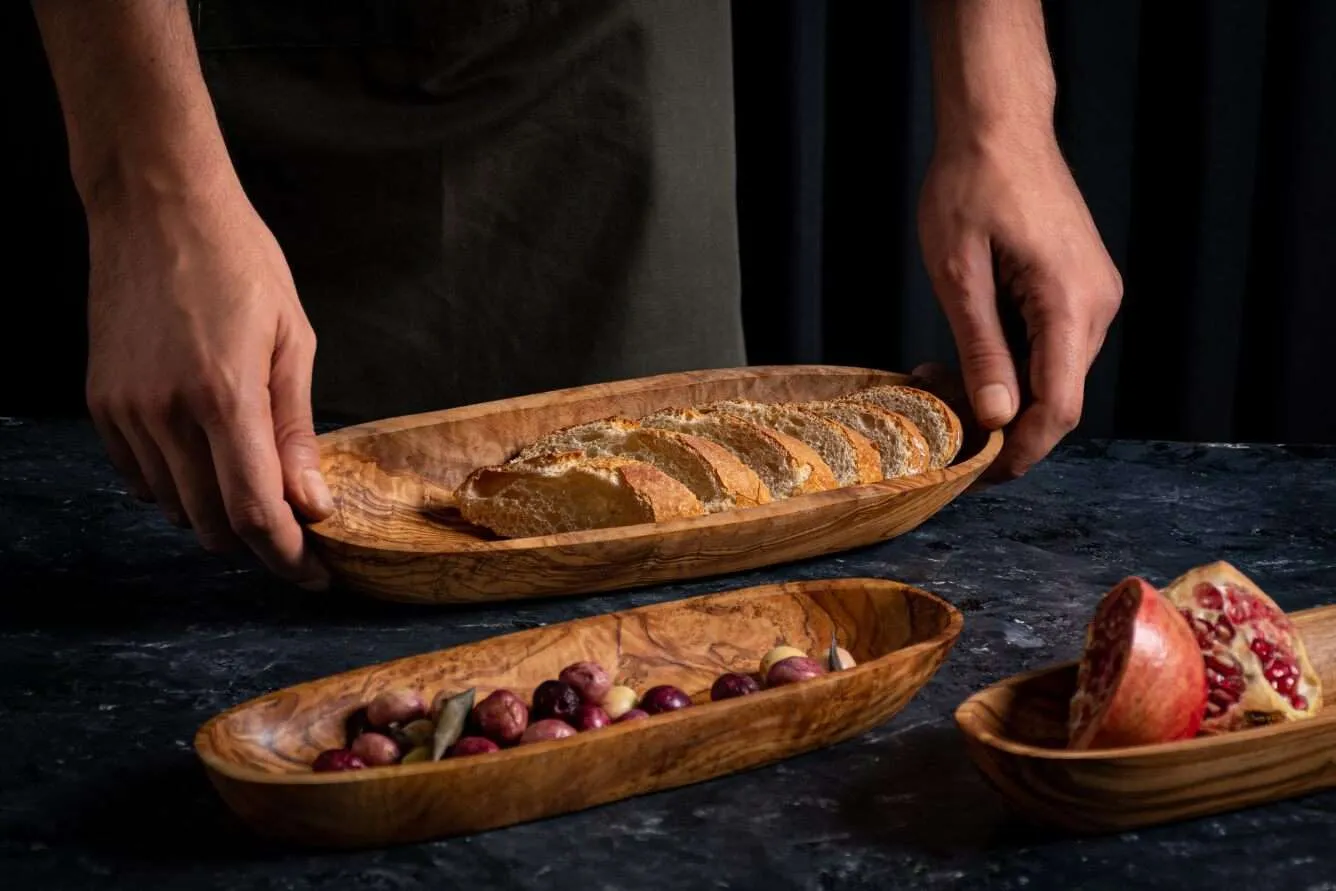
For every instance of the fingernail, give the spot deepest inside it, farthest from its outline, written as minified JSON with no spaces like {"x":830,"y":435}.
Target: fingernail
{"x":317,"y":493}
{"x":993,"y":404}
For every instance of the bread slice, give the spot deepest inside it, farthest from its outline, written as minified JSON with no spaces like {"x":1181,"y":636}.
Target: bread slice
{"x":939,"y":425}
{"x":904,"y":450}
{"x":572,"y":492}
{"x":851,"y":455}
{"x":713,"y":474}
{"x":576,"y":438}
{"x":786,"y":465}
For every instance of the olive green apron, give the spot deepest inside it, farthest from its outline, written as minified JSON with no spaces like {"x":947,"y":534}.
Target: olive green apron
{"x":486,"y":198}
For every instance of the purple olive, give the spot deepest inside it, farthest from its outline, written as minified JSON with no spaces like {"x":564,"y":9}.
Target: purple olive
{"x":589,"y":680}
{"x":555,"y":699}
{"x":548,"y":728}
{"x":473,"y":745}
{"x":664,"y":698}
{"x":732,"y":685}
{"x":336,"y":759}
{"x":501,"y":717}
{"x":591,"y":717}
{"x":792,"y":670}
{"x":375,"y":749}
{"x":395,"y":707}
{"x":632,"y":715}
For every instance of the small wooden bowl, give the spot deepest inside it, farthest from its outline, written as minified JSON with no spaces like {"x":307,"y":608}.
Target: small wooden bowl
{"x":258,"y":754}
{"x":1016,"y":734}
{"x":397,"y":535}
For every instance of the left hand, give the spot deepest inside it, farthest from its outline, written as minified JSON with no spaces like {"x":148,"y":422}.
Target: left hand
{"x":1010,"y":200}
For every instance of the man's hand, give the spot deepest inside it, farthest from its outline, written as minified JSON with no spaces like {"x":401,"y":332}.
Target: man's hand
{"x":200,"y":356}
{"x":199,"y":374}
{"x":1014,"y":208}
{"x":1001,"y":216}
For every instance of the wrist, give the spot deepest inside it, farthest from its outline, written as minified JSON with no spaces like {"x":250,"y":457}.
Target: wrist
{"x":129,"y":181}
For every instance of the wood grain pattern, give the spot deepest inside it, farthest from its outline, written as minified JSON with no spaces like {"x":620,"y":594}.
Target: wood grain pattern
{"x":396,"y":535}
{"x":257,"y":754}
{"x":1016,"y":734}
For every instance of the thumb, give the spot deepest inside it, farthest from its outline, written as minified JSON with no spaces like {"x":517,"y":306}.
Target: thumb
{"x":294,"y":429}
{"x":965,"y":288}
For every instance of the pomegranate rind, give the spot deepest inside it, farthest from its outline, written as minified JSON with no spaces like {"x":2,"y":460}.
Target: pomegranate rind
{"x":1259,"y":703}
{"x":1141,"y":678}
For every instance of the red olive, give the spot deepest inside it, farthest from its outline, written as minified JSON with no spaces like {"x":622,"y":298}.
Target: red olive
{"x":591,"y":717}
{"x":548,"y":728}
{"x":375,"y":749}
{"x":555,"y":699}
{"x":632,"y":715}
{"x":501,"y":717}
{"x":473,"y":745}
{"x":664,"y":698}
{"x":589,"y":679}
{"x":792,"y":670}
{"x":732,"y":685}
{"x":336,"y":759}
{"x":395,"y":707}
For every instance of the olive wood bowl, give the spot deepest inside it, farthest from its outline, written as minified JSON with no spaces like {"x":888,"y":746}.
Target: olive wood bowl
{"x":397,"y":535}
{"x":258,"y":754}
{"x":1015,"y":732}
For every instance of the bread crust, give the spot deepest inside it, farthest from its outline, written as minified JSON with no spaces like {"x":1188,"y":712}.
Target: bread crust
{"x":807,"y":471}
{"x":939,"y":425}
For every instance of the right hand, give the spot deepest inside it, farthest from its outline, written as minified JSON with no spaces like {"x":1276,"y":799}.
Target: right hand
{"x":199,"y":373}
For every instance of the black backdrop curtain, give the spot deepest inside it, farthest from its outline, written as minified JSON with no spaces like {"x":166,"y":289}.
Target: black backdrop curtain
{"x":1203,"y":135}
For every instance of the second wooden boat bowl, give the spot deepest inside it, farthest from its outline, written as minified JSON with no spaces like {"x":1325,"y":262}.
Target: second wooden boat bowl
{"x":258,"y":754}
{"x":396,"y":534}
{"x":1016,"y":733}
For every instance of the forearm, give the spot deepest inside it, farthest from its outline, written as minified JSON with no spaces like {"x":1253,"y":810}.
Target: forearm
{"x":137,"y":112}
{"x":991,"y":68}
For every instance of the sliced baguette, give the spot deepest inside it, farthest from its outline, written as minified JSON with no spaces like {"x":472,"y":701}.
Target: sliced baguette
{"x":713,"y":474}
{"x":786,"y":465}
{"x":851,"y":455}
{"x":574,"y":439}
{"x":939,"y":425}
{"x":904,"y":450}
{"x":572,"y":492}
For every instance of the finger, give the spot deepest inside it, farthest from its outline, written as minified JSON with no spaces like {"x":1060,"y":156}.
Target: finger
{"x":154,"y":467}
{"x":251,"y":481}
{"x":965,"y":287}
{"x":121,"y":455}
{"x":1058,"y":366}
{"x":294,"y":430}
{"x":186,"y":451}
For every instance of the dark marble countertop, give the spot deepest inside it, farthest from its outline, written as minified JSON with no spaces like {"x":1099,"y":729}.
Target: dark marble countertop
{"x":120,"y":638}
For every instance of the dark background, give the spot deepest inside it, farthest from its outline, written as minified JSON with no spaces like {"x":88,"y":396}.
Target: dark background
{"x":1203,"y":135}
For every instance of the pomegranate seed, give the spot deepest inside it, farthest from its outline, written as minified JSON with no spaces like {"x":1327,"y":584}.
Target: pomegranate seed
{"x":1237,"y":612}
{"x":1275,"y":671}
{"x":1216,"y":665}
{"x":1284,"y":686}
{"x":1298,"y":702}
{"x":1234,"y":685}
{"x":1214,"y":709}
{"x":1221,"y":698}
{"x":1208,"y":596}
{"x":1224,"y":630}
{"x":1261,"y":648}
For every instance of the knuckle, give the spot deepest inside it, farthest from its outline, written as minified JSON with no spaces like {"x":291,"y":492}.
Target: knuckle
{"x":1067,"y":416}
{"x":211,"y":398}
{"x":252,"y":519}
{"x":957,"y":275}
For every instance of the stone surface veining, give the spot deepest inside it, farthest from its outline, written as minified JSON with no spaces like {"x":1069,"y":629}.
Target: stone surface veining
{"x":119,"y":638}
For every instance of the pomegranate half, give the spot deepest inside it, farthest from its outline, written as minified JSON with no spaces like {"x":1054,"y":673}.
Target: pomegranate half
{"x":1141,"y":679}
{"x":1257,"y":669}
